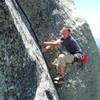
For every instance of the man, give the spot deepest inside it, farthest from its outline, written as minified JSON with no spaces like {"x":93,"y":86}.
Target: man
{"x":71,"y":46}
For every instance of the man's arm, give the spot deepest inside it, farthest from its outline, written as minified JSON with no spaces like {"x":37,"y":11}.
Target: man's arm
{"x":52,"y":44}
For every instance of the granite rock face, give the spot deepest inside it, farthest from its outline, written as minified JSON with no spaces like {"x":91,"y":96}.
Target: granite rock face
{"x":23,"y":72}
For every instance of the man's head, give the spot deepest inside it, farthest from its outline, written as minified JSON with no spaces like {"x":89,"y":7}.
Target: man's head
{"x":66,"y":31}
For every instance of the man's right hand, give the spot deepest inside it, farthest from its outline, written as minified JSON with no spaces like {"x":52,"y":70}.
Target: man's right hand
{"x":45,"y":49}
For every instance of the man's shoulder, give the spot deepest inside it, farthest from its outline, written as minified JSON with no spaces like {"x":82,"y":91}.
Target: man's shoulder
{"x":72,"y":38}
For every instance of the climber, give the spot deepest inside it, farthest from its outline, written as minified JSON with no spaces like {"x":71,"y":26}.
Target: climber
{"x":73,"y":50}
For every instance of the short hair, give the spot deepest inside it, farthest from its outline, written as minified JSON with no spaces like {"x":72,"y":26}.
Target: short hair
{"x":66,"y":26}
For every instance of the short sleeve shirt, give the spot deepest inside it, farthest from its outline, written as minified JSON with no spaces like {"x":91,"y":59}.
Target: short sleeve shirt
{"x":71,"y":45}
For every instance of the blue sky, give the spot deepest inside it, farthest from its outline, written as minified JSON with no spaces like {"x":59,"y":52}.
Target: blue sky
{"x":90,"y":9}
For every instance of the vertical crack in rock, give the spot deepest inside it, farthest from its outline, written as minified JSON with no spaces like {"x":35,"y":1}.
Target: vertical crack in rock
{"x":45,"y":83}
{"x":23,"y":72}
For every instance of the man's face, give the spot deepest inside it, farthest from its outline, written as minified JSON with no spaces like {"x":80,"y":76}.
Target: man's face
{"x":65,"y":32}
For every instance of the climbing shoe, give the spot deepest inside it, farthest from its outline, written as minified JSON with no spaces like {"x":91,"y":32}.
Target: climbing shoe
{"x":58,"y":78}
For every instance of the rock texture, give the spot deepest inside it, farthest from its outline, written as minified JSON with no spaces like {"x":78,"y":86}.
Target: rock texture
{"x":44,"y":89}
{"x":23,"y":71}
